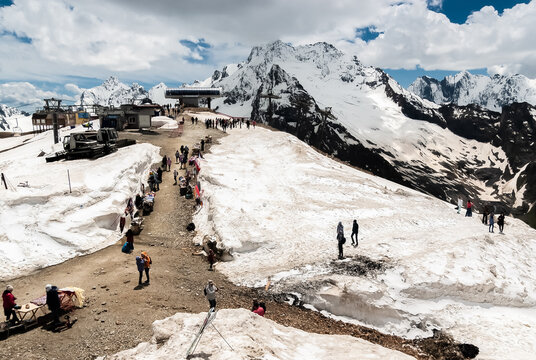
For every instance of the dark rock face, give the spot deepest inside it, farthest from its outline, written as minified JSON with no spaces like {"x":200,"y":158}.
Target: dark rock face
{"x":471,"y":122}
{"x":517,"y":134}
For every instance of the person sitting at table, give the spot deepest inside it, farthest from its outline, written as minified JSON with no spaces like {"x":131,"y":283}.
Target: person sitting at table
{"x":53,"y":302}
{"x":10,"y":305}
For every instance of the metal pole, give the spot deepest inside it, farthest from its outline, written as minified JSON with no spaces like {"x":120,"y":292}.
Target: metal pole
{"x":55,"y":125}
{"x":222,"y":337}
{"x":69,"y":177}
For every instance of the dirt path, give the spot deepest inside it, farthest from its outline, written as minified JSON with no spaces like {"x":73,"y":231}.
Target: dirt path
{"x":117,"y":316}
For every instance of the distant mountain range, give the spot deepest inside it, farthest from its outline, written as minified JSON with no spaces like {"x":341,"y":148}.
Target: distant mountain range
{"x":465,"y":88}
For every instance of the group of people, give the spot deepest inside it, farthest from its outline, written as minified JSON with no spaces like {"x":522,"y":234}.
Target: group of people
{"x":488,"y":216}
{"x":181,"y":157}
{"x":341,"y":240}
{"x":10,"y":306}
{"x":155,"y":179}
{"x":228,"y":123}
{"x":143,"y":262}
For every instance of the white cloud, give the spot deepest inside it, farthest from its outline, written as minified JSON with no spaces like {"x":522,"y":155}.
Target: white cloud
{"x":24,"y":95}
{"x":73,"y":88}
{"x":140,"y":41}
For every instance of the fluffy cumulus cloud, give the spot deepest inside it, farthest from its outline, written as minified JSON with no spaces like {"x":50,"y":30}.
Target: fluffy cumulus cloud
{"x":23,"y":95}
{"x":165,"y":40}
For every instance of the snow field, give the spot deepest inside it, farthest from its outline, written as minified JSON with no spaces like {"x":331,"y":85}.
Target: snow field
{"x":251,"y":336}
{"x":44,"y":224}
{"x":275,"y":203}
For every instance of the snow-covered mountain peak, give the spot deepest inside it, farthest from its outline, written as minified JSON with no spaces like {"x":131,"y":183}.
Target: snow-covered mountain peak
{"x":112,"y":92}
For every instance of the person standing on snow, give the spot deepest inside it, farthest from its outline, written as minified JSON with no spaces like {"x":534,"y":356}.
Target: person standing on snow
{"x":210,"y":293}
{"x":491,"y":221}
{"x":500,"y":222}
{"x":340,"y":239}
{"x":469,"y":211}
{"x":355,"y":231}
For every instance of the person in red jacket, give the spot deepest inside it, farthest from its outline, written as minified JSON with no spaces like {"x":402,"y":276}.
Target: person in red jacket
{"x":10,"y":305}
{"x":261,"y":309}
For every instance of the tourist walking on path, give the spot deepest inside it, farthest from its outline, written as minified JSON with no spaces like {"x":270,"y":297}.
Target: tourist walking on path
{"x":168,"y":164}
{"x":355,"y":231}
{"x":469,"y":211}
{"x":491,"y":221}
{"x":210,"y":258}
{"x":177,"y":154}
{"x":146,"y":265}
{"x":164,"y":162}
{"x":175,"y":174}
{"x":141,"y":266}
{"x":9,"y":305}
{"x":53,"y":302}
{"x":500,"y":222}
{"x":340,"y":239}
{"x":210,"y":293}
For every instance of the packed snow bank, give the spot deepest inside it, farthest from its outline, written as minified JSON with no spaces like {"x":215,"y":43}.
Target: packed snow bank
{"x":164,"y":122}
{"x":44,"y":224}
{"x":251,"y":337}
{"x":275,"y":203}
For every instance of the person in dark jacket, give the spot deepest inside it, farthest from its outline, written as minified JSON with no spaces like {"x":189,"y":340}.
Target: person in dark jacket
{"x":340,"y":239}
{"x":130,"y":239}
{"x":491,"y":221}
{"x":500,"y":222}
{"x":141,"y":265}
{"x":210,"y":258}
{"x":53,"y":302}
{"x":10,"y":305}
{"x":355,"y":231}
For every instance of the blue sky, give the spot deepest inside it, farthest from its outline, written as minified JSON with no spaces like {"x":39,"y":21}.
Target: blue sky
{"x":458,"y":10}
{"x":175,"y":41}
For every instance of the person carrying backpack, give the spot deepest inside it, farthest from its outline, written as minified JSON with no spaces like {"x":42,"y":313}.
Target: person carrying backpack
{"x":147,"y":265}
{"x":210,"y":293}
{"x":141,"y":265}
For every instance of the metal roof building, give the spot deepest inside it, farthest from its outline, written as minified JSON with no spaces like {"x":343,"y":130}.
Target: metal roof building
{"x":189,"y":96}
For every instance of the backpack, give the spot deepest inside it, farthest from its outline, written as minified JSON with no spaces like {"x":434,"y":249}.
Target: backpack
{"x":343,"y":240}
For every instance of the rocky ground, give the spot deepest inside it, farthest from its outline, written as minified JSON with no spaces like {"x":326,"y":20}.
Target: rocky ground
{"x":118,"y":315}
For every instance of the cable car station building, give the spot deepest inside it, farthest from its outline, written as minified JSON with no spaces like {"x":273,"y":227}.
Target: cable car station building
{"x":189,"y":96}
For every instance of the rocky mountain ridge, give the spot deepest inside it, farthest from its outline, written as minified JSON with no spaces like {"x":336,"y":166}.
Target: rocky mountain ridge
{"x":465,"y":88}
{"x":447,"y":151}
